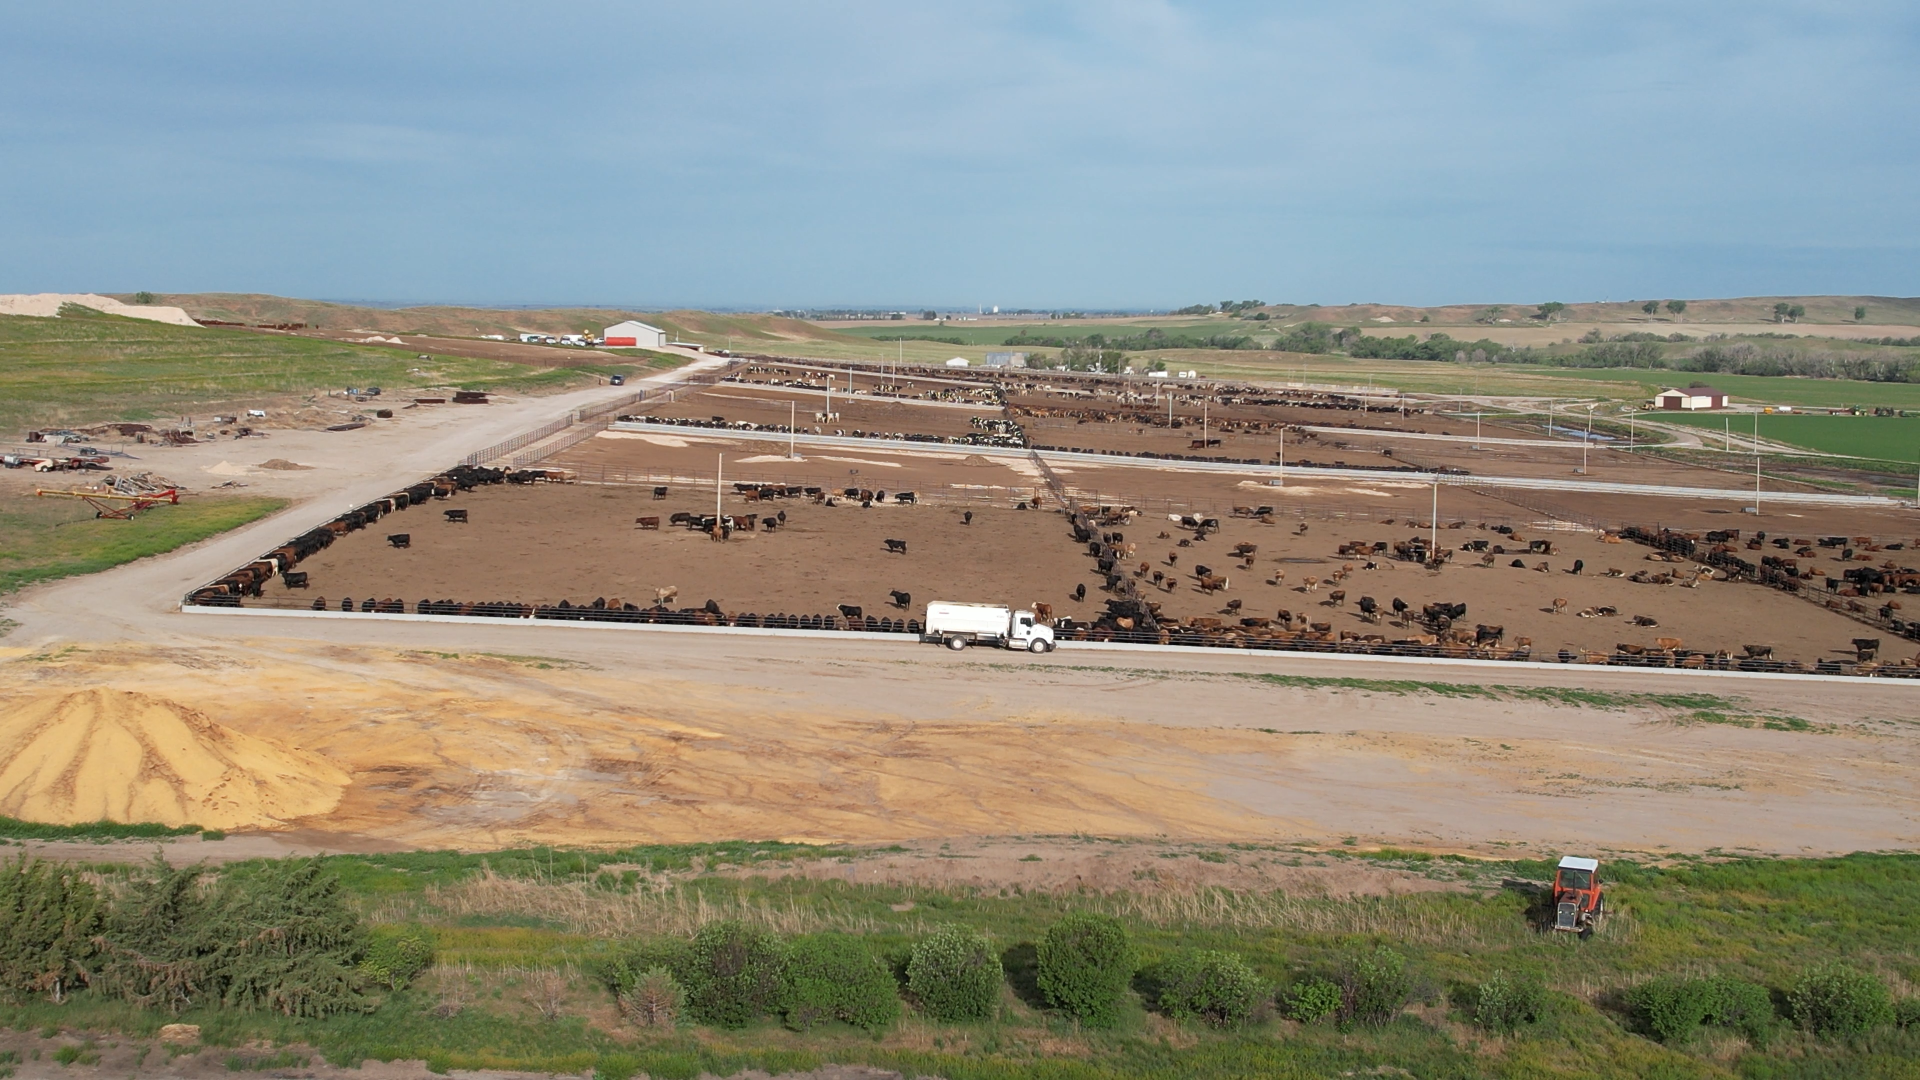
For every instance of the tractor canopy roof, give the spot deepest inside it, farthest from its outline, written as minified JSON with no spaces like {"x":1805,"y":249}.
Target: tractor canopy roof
{"x":1575,"y":862}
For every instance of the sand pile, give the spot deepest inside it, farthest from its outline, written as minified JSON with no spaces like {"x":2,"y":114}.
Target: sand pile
{"x":281,"y":464}
{"x":109,"y":754}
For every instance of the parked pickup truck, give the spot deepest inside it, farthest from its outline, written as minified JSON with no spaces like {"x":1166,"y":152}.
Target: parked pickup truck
{"x":959,"y":625}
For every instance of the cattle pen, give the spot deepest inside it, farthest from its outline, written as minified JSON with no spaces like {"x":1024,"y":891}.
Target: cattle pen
{"x":1295,"y":593}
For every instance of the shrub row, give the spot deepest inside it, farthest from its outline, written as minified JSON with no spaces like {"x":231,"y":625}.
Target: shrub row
{"x":279,"y":937}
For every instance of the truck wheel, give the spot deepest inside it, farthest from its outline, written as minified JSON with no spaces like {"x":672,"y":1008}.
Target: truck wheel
{"x":956,"y":643}
{"x":1039,"y":645}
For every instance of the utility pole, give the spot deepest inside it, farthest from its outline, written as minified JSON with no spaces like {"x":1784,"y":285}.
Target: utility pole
{"x":1433,"y":542}
{"x":719,"y":465}
{"x":1283,"y":461}
{"x":1476,"y":431}
{"x":1587,"y":443}
{"x":1756,"y":463}
{"x":793,"y":420}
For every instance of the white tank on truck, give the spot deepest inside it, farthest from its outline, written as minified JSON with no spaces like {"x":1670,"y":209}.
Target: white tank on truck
{"x":957,"y":626}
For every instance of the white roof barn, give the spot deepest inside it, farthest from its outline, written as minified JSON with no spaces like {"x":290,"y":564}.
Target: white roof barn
{"x":1693,"y":397}
{"x":632,"y":334}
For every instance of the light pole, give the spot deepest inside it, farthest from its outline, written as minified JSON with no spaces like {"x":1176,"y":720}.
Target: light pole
{"x":1586,"y":444}
{"x":1433,"y":526}
{"x":719,"y":466}
{"x":793,"y":421}
{"x":1756,"y":463}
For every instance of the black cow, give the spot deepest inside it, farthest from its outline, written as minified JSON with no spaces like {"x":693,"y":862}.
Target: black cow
{"x":966,"y":518}
{"x":401,"y":540}
{"x":660,"y":492}
{"x":849,"y":611}
{"x":456,"y":515}
{"x":900,"y":599}
{"x":1080,"y":591}
{"x":897,"y":546}
{"x":295,"y":579}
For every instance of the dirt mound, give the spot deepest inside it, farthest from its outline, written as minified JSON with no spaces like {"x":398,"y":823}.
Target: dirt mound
{"x":119,"y":756}
{"x":977,"y":460}
{"x":281,"y":464}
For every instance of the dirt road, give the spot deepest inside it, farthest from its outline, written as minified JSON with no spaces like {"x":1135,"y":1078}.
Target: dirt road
{"x":477,"y":736}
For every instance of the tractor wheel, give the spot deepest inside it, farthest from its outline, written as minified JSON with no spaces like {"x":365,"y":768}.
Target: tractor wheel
{"x":1586,"y":932}
{"x":956,"y":643}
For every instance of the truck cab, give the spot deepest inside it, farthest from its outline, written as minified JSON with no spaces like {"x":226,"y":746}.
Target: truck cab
{"x":1577,"y":907}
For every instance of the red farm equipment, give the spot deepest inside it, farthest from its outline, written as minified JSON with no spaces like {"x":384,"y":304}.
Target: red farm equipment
{"x":1577,"y":905}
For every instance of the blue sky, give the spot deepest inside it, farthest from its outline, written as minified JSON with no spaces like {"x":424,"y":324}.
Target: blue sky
{"x":1067,"y":154}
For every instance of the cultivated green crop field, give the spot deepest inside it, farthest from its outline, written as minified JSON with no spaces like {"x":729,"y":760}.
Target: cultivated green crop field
{"x":1887,"y":438}
{"x":85,"y":367}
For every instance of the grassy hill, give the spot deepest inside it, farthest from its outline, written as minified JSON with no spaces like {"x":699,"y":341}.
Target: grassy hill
{"x":85,"y":367}
{"x":456,"y":321}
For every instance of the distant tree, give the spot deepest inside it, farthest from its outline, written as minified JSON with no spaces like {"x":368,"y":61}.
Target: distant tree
{"x":1551,"y":310}
{"x":1651,"y":307}
{"x":929,"y":314}
{"x":1796,"y":313}
{"x":1490,"y":315}
{"x":1860,"y":313}
{"x":1677,"y":307}
{"x":144,"y":297}
{"x":1196,"y":309}
{"x":1780,"y":311}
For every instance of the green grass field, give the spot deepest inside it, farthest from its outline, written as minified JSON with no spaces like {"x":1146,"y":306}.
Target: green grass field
{"x":45,"y":539}
{"x":85,"y":367}
{"x":517,"y":935}
{"x":1884,"y":438}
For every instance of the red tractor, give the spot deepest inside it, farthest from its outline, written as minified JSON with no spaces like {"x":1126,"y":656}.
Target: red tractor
{"x":1577,"y":907}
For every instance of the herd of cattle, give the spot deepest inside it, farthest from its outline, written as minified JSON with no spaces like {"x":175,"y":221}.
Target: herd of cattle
{"x":250,"y":579}
{"x":993,"y":433}
{"x":1867,"y":589}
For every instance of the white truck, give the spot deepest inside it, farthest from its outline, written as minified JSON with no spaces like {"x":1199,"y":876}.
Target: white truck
{"x":959,"y":625}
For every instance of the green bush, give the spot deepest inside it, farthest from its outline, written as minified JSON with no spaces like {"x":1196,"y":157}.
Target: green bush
{"x":289,"y":941}
{"x":655,"y":999}
{"x":1216,"y":988}
{"x":1834,"y":999}
{"x":1742,"y":1006}
{"x":1906,"y":1012}
{"x":734,"y":974}
{"x":1669,"y":1008}
{"x":954,"y":975}
{"x":1374,"y":987}
{"x":1313,"y":1000}
{"x":1085,"y":964}
{"x":836,"y":977}
{"x":1506,"y":1004}
{"x":623,"y":966}
{"x":277,"y":936}
{"x":49,"y":917}
{"x":395,"y":957}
